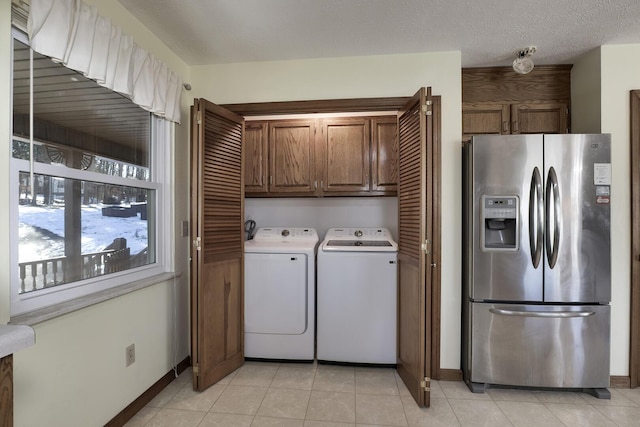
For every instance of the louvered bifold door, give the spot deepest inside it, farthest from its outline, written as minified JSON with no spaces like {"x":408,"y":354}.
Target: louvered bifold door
{"x":217,"y":297}
{"x":415,"y":140}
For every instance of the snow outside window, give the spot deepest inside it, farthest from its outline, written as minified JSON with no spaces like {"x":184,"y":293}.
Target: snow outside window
{"x":88,"y":210}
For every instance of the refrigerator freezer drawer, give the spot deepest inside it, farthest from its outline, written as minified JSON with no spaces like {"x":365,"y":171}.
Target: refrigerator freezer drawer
{"x":540,"y":346}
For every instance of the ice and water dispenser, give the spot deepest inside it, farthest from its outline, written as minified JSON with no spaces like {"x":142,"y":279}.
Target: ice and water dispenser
{"x":500,"y":223}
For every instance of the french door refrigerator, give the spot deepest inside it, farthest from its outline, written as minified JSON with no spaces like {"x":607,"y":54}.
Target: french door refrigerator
{"x":536,"y":261}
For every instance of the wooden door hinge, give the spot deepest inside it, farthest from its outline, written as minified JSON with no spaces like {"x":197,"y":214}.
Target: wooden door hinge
{"x":196,"y":243}
{"x":195,"y":370}
{"x":199,"y":117}
{"x":426,"y":109}
{"x":425,"y":246}
{"x":425,"y":384}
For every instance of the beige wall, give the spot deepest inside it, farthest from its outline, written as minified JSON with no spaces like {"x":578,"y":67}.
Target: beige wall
{"x":75,"y":374}
{"x":619,"y":67}
{"x":585,"y":93}
{"x":601,"y":81}
{"x":365,"y":77}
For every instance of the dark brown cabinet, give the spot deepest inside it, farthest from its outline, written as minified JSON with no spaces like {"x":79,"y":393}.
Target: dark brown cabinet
{"x":497,"y":101}
{"x":548,"y":117}
{"x":485,"y":119}
{"x":6,"y":390}
{"x":384,"y":154}
{"x":519,"y":118}
{"x":342,"y":156}
{"x":256,"y":157}
{"x":292,"y":165}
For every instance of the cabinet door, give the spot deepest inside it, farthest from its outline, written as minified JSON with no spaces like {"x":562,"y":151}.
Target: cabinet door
{"x":384,"y":154}
{"x":549,"y":117}
{"x":256,"y":157}
{"x":345,"y":155}
{"x":291,"y":156}
{"x":484,"y":119}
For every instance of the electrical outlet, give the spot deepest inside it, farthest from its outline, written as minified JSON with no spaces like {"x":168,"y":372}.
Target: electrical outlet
{"x":130,"y":354}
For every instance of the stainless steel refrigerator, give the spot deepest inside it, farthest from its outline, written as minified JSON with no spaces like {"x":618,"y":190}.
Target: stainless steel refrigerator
{"x":536,"y":261}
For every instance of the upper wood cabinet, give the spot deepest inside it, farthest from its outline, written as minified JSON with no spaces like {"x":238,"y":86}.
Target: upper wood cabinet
{"x":549,"y":117}
{"x":384,"y":154}
{"x":485,"y":119}
{"x":342,"y":156}
{"x":497,"y":101}
{"x":502,"y":119}
{"x":291,"y":153}
{"x":256,"y":157}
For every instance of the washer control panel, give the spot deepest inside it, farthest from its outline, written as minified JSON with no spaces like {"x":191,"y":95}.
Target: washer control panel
{"x":270,"y":234}
{"x":359,"y":233}
{"x":359,"y":239}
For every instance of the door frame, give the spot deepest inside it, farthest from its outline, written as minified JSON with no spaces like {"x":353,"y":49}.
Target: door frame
{"x":367,"y":105}
{"x":634,"y":342}
{"x":436,"y":268}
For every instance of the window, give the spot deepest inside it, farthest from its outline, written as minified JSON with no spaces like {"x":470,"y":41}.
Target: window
{"x":88,"y":196}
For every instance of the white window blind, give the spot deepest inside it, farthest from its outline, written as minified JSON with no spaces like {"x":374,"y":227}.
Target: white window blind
{"x":73,"y":33}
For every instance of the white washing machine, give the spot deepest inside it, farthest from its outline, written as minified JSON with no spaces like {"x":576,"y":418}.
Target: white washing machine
{"x":279,"y":293}
{"x":357,"y":296}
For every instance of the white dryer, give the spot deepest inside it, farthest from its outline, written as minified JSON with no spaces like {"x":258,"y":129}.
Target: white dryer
{"x":279,"y":293}
{"x":357,"y":296}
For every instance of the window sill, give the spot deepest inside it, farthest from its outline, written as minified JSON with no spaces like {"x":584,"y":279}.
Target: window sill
{"x":42,"y":315}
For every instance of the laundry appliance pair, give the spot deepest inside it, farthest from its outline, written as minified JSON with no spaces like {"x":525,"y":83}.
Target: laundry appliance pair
{"x":355,"y":309}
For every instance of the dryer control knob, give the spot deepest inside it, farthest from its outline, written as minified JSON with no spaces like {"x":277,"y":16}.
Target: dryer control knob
{"x":285,"y":233}
{"x":358,"y":233}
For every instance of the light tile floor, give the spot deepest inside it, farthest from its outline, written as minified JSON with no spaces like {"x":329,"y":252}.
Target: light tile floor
{"x":312,"y":395}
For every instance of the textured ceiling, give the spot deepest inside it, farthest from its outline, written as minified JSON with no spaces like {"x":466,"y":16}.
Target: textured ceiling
{"x":487,"y":32}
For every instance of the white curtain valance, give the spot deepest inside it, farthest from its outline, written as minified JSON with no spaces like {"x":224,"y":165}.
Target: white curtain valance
{"x":73,"y":33}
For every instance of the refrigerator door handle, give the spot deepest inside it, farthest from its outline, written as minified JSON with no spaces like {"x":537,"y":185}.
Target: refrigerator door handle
{"x":546,"y":314}
{"x":536,"y":213}
{"x":552,"y":197}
